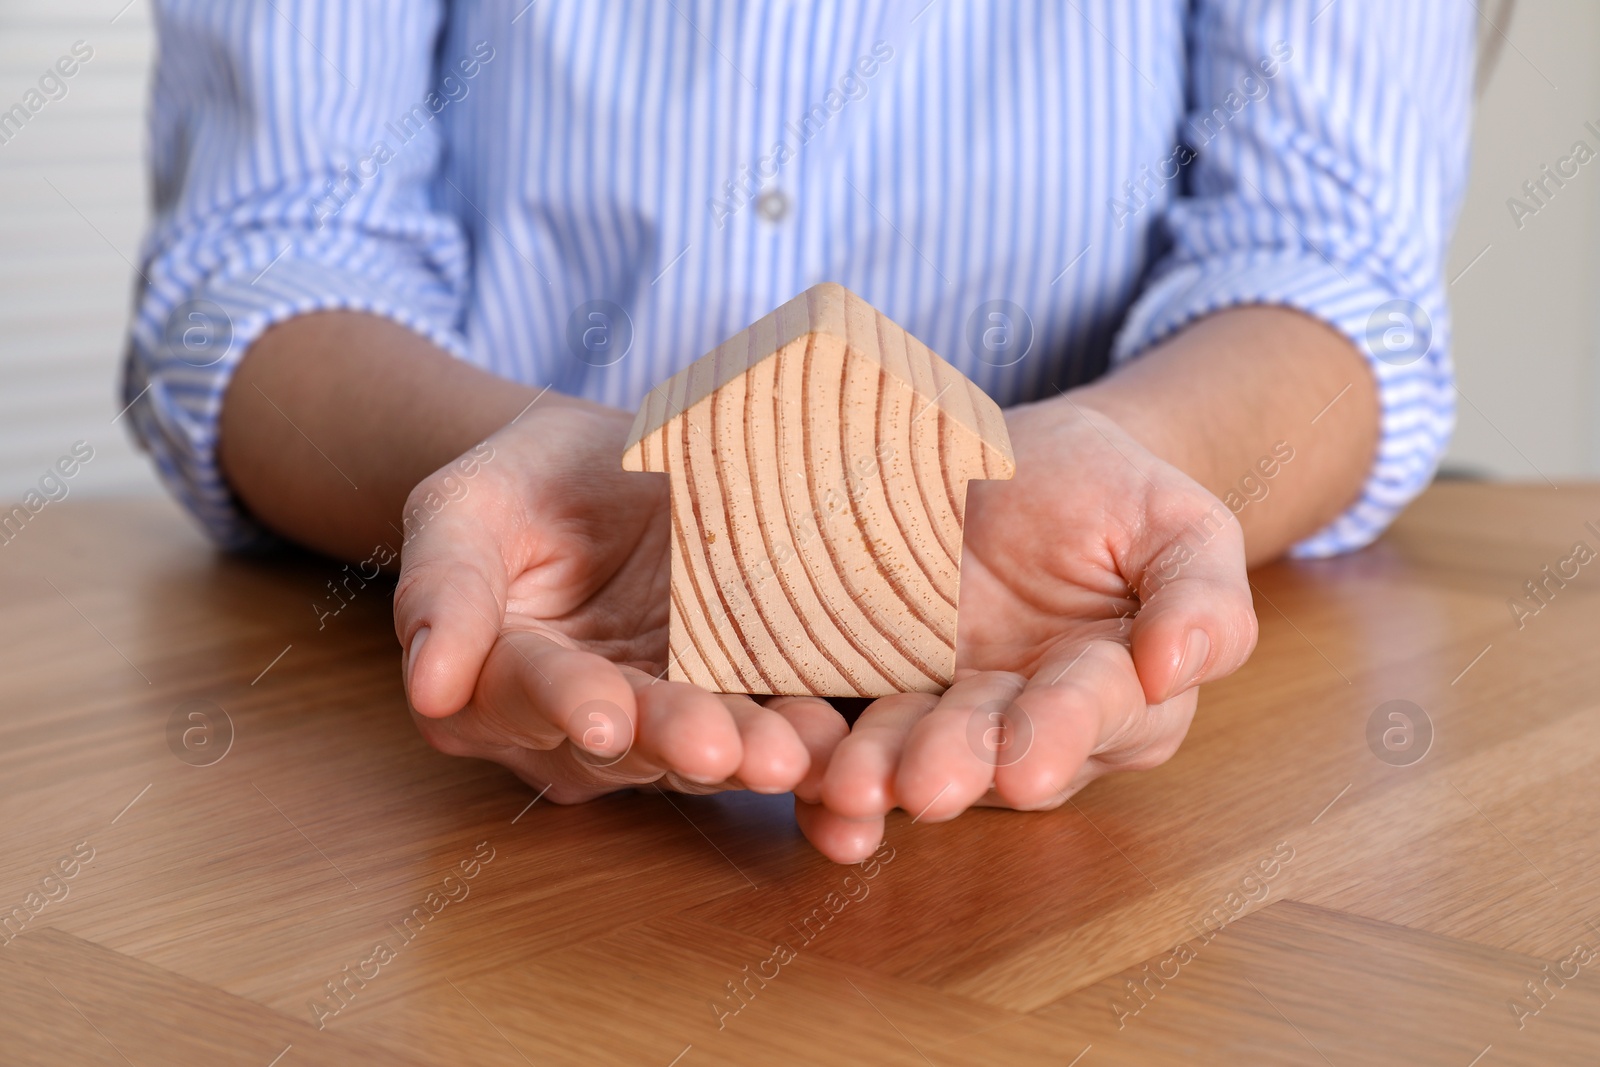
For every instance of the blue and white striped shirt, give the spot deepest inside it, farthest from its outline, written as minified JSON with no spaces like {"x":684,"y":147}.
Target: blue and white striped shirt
{"x":1097,"y":172}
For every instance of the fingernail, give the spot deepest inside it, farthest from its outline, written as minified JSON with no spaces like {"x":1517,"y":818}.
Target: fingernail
{"x":1195,"y":652}
{"x":411,"y":656}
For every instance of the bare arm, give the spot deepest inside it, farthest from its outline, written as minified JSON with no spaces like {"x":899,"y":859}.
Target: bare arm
{"x":332,"y":418}
{"x":1216,"y":398}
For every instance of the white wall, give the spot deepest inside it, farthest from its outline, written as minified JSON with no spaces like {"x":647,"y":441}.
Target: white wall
{"x":66,"y":253}
{"x":1526,"y":314}
{"x":1527,"y":318}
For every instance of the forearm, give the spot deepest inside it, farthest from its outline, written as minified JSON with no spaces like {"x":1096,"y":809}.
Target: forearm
{"x":332,"y":418}
{"x":1220,"y":399}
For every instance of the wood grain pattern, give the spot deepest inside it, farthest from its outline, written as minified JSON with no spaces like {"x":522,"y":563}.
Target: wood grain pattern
{"x":1418,"y":905}
{"x":75,"y":995}
{"x":819,"y":464}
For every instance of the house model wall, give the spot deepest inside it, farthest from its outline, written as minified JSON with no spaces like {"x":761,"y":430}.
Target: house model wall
{"x":819,"y":463}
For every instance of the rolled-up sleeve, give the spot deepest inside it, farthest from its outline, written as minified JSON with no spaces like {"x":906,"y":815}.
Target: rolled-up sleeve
{"x":294,"y":147}
{"x":1331,"y":145}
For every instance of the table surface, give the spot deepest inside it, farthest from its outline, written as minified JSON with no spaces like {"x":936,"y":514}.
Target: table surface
{"x":1309,"y":881}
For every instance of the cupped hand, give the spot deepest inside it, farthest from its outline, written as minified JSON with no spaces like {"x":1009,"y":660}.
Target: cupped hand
{"x":532,"y":611}
{"x":1099,"y":587}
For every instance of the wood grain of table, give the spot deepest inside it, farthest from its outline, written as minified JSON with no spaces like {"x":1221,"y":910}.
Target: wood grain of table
{"x":1366,"y":906}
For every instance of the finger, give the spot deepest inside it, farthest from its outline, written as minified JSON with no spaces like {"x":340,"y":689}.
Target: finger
{"x":568,"y":775}
{"x":538,"y":693}
{"x":859,"y":783}
{"x":688,"y":731}
{"x":820,"y":728}
{"x":1080,"y":701}
{"x":1196,"y":620}
{"x":841,"y":840}
{"x":949,"y":757}
{"x":448,"y":607}
{"x":775,"y":758}
{"x":1152,"y":737}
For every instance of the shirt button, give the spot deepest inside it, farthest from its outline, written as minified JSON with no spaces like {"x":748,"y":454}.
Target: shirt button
{"x":773,"y":205}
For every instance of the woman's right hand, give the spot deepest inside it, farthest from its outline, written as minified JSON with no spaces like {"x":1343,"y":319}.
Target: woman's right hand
{"x":532,"y":613}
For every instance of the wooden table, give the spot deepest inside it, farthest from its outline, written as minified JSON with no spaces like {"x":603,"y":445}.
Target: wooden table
{"x":1282,"y":892}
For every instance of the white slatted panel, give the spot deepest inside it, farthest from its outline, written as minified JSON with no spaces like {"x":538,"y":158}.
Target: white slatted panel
{"x":67,"y":254}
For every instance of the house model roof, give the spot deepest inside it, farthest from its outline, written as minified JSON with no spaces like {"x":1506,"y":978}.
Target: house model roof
{"x":826,"y":313}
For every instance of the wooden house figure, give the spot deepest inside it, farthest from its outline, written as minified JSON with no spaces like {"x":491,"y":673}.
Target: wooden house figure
{"x":819,"y":463}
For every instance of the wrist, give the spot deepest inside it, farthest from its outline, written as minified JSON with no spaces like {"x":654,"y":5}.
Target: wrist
{"x":331,"y":419}
{"x":1225,"y":397}
{"x":1121,"y":401}
{"x":554,"y":443}
{"x":1138,"y":414}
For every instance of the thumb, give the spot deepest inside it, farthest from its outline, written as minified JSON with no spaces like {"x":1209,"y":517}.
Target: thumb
{"x":449,"y":605}
{"x":1196,"y":621}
